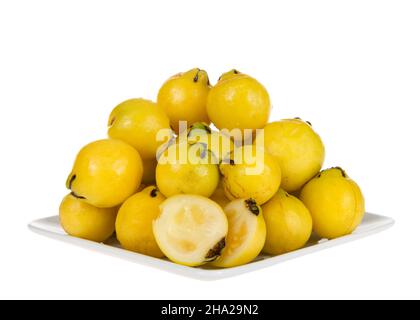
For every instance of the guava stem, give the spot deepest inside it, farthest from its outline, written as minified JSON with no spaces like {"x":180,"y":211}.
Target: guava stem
{"x":308,"y":122}
{"x":70,"y":185}
{"x":343,"y":173}
{"x":111,"y":121}
{"x":77,"y":196}
{"x":73,"y":177}
{"x":196,"y":75}
{"x":234,"y":72}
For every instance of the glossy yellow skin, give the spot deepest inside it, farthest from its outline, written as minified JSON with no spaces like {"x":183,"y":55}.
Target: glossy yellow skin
{"x":238,"y":184}
{"x":246,"y":235}
{"x":105,"y":173}
{"x":218,"y":143}
{"x":230,"y":74}
{"x":82,"y":220}
{"x":135,"y":219}
{"x":183,"y":97}
{"x":149,"y":171}
{"x":238,"y":101}
{"x":298,"y":148}
{"x":289,"y":224}
{"x":179,"y":177}
{"x":335,"y":202}
{"x":137,"y":121}
{"x":190,"y":229}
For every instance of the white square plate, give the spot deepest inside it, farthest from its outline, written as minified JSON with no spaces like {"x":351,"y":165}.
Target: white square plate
{"x":50,"y":227}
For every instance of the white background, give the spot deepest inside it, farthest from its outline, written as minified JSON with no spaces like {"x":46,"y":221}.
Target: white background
{"x":350,"y":67}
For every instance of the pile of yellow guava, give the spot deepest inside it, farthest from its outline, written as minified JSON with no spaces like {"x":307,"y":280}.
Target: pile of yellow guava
{"x":171,"y":185}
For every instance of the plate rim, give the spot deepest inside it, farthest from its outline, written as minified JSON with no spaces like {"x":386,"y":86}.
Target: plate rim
{"x":38,"y":226}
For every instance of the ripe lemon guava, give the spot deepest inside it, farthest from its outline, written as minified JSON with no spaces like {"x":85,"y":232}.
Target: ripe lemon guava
{"x":258,"y":178}
{"x":218,"y":143}
{"x":137,"y":122}
{"x":289,"y":223}
{"x":105,"y":173}
{"x":190,"y":229}
{"x":183,"y":97}
{"x":187,"y":169}
{"x":335,"y":202}
{"x":134,"y":222}
{"x":238,"y":102}
{"x":82,"y":220}
{"x":298,"y":149}
{"x":246,"y":234}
